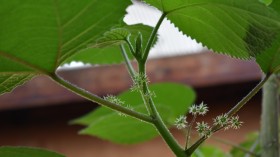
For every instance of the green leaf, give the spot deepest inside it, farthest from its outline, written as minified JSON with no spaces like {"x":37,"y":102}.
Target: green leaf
{"x":116,"y":36}
{"x":234,"y":27}
{"x":107,"y":124}
{"x":37,"y":36}
{"x":269,"y":61}
{"x":112,"y":55}
{"x":26,"y":152}
{"x":8,"y":81}
{"x":247,"y":144}
{"x":209,"y":151}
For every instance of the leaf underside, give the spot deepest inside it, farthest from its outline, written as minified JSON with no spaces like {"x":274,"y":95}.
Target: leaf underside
{"x":238,"y":28}
{"x":37,"y":36}
{"x":108,"y":125}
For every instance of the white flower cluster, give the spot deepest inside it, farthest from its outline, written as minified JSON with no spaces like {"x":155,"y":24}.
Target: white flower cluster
{"x":200,"y":109}
{"x":224,"y":121}
{"x":114,"y":99}
{"x":181,"y":122}
{"x":138,"y":81}
{"x":203,"y":129}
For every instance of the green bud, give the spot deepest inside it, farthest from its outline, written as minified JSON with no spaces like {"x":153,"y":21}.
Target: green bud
{"x":139,"y":41}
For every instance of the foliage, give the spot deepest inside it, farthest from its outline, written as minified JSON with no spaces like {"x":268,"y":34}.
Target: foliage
{"x":26,"y":152}
{"x":100,"y":122}
{"x":65,"y":30}
{"x":38,"y":43}
{"x":235,"y":27}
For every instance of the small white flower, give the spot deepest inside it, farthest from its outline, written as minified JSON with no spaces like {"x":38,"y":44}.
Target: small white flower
{"x":221,"y":120}
{"x":203,"y":129}
{"x":235,"y":123}
{"x":181,"y":122}
{"x":193,"y":110}
{"x":202,"y":109}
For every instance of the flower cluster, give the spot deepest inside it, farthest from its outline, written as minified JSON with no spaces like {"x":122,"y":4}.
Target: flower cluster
{"x":200,"y":109}
{"x":224,"y":121}
{"x":203,"y":129}
{"x":114,"y":99}
{"x":181,"y":122}
{"x":138,"y":81}
{"x":235,"y":123}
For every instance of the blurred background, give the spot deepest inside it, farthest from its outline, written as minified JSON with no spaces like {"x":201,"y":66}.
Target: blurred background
{"x":37,"y":113}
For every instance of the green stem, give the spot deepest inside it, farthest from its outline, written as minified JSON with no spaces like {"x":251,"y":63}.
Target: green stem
{"x":188,"y":135}
{"x":127,"y":62}
{"x":85,"y":94}
{"x":269,"y":119}
{"x":232,"y":112}
{"x":152,"y":38}
{"x":158,"y":122}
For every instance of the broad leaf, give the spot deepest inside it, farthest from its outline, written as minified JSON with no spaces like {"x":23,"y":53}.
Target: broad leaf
{"x":109,"y":125}
{"x":37,"y":36}
{"x":235,"y":27}
{"x":269,"y":61}
{"x":26,"y":152}
{"x":112,"y":55}
{"x":208,"y":151}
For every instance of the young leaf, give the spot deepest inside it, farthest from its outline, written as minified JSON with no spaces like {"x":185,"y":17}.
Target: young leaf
{"x":108,"y":125}
{"x":269,"y":60}
{"x":234,"y":27}
{"x":37,"y":36}
{"x":26,"y":152}
{"x":112,"y":55}
{"x":116,"y":36}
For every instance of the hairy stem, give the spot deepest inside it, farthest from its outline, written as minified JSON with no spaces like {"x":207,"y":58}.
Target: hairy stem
{"x":232,"y":112}
{"x":94,"y":98}
{"x":158,"y":122}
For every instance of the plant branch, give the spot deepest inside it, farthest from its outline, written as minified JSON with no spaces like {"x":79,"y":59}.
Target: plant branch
{"x":94,"y":98}
{"x":232,"y":112}
{"x":130,"y":46}
{"x":188,"y":135}
{"x":127,"y":62}
{"x":158,"y":122}
{"x":152,"y":38}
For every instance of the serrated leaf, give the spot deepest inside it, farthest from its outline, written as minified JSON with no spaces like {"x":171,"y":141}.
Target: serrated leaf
{"x":269,"y":60}
{"x":234,"y":27}
{"x":37,"y":36}
{"x":112,"y":55}
{"x":116,"y":36}
{"x":26,"y":152}
{"x":10,"y":81}
{"x":108,"y":125}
